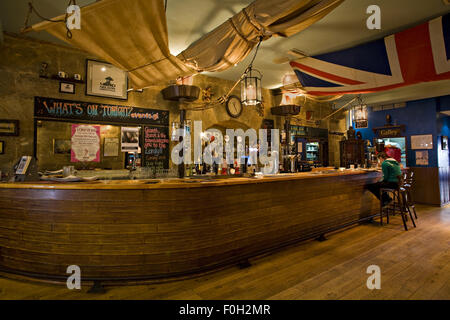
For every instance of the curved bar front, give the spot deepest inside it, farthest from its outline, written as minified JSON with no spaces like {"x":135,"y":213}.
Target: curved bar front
{"x":140,"y":229}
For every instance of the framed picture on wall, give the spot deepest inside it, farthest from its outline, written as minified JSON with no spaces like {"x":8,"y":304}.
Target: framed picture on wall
{"x":62,"y":146}
{"x":105,"y":80}
{"x":424,"y":141}
{"x":65,"y":87}
{"x":9,"y":127}
{"x":444,"y":142}
{"x":421,"y":158}
{"x":361,"y":124}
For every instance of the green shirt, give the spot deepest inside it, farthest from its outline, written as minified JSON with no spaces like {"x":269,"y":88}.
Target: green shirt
{"x":391,"y":170}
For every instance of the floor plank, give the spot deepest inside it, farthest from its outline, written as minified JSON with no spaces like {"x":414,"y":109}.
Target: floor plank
{"x":414,"y":265}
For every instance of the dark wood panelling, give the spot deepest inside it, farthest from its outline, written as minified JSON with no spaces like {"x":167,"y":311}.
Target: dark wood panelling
{"x":426,"y":185}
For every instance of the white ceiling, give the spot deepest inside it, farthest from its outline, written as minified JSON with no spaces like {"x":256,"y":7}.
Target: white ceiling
{"x":188,"y":20}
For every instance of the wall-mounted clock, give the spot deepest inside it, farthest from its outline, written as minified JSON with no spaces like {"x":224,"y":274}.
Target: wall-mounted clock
{"x":234,"y":106}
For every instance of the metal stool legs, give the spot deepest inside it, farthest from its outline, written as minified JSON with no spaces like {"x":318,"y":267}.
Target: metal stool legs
{"x":410,"y":201}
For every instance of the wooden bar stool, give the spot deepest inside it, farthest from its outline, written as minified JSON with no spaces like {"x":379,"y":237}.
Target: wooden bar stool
{"x":399,"y":204}
{"x":408,"y":183}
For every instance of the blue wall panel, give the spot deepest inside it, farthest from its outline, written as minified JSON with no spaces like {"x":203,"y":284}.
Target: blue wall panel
{"x":444,"y":103}
{"x":419,"y":117}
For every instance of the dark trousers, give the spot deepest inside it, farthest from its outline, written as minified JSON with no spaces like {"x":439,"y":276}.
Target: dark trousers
{"x":375,"y":189}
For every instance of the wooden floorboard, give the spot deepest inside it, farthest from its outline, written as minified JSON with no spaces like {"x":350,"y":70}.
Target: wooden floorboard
{"x":414,"y":265}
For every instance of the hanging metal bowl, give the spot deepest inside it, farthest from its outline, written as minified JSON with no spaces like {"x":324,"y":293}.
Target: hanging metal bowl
{"x":181,"y":92}
{"x":286,"y":110}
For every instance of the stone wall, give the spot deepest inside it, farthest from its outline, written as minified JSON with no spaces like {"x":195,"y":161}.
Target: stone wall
{"x":20,"y":61}
{"x":336,"y":124}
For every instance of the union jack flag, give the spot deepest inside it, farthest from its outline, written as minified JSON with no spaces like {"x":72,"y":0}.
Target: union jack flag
{"x":419,"y":54}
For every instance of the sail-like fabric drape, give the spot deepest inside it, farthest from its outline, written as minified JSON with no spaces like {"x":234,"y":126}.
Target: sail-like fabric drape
{"x":130,"y":34}
{"x":233,"y":40}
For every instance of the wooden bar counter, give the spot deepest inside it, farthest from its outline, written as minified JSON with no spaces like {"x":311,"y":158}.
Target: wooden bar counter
{"x":144,"y":229}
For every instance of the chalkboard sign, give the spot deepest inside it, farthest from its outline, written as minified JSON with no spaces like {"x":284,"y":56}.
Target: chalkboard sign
{"x":97,"y":112}
{"x":156,"y":147}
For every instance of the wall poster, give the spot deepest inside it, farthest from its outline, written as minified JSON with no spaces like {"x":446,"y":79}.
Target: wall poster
{"x":111,"y":147}
{"x":85,"y":143}
{"x":422,"y":158}
{"x":130,"y":139}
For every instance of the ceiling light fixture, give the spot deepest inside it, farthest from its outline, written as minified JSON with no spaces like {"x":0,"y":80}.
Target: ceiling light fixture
{"x":251,"y":83}
{"x":360,"y":114}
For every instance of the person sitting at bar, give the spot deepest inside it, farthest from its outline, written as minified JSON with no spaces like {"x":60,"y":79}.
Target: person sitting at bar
{"x":391,"y":172}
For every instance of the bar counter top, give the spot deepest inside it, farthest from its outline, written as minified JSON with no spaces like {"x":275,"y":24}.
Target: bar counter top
{"x":176,"y":183}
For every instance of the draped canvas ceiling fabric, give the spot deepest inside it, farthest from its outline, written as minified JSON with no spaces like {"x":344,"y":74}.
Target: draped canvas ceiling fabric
{"x":419,"y":54}
{"x":132,"y":35}
{"x":234,"y":39}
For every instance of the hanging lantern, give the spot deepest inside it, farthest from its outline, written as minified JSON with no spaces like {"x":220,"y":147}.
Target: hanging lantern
{"x":360,"y":116}
{"x":251,"y":88}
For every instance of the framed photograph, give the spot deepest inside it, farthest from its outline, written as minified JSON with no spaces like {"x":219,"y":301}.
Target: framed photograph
{"x":361,"y":124}
{"x":62,"y":146}
{"x":444,"y":142}
{"x":424,"y":141}
{"x":105,"y":80}
{"x":65,"y":87}
{"x":2,"y":147}
{"x":421,"y":158}
{"x":9,"y":127}
{"x":130,"y":139}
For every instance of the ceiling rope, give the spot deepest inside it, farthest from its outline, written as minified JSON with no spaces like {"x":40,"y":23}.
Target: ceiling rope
{"x":31,"y":9}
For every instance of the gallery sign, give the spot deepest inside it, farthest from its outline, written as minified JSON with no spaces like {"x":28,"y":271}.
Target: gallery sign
{"x":98,"y":112}
{"x":389,"y":132}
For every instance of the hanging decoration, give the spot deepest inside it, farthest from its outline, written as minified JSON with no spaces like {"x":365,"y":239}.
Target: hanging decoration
{"x":251,"y":83}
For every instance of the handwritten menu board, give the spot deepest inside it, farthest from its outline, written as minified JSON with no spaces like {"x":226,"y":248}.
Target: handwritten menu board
{"x":156,"y":147}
